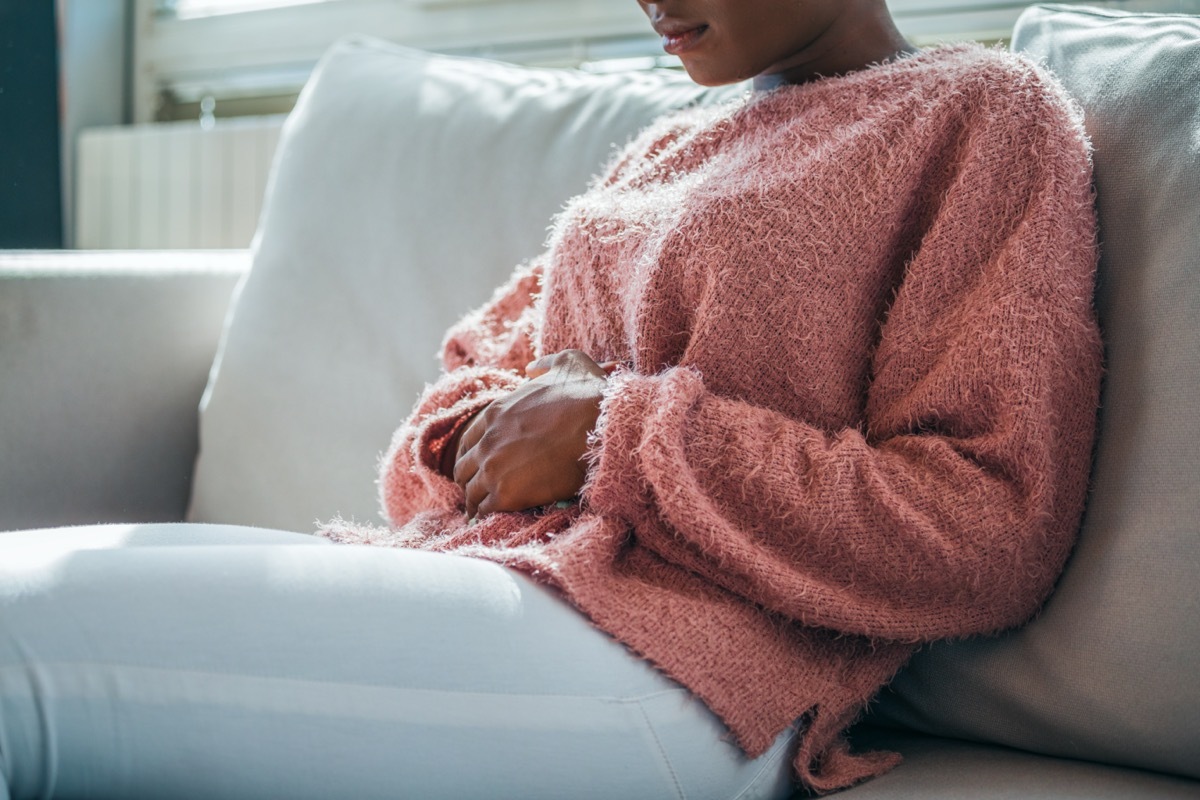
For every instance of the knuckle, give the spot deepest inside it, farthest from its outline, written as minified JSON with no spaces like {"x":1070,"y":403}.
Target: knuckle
{"x":479,"y":452}
{"x":499,"y":493}
{"x":479,"y":478}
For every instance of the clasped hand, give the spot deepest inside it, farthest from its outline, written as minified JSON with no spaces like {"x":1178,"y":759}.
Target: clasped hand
{"x":526,"y":450}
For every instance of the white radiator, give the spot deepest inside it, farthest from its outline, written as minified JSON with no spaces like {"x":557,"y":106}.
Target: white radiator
{"x":173,"y":185}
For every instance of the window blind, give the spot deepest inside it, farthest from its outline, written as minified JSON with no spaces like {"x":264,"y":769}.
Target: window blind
{"x":191,"y":52}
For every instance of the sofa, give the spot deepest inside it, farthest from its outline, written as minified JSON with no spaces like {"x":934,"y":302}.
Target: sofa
{"x":259,"y":387}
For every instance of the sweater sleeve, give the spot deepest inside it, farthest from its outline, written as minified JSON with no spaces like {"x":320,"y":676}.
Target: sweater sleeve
{"x":483,"y":357}
{"x":951,"y":509}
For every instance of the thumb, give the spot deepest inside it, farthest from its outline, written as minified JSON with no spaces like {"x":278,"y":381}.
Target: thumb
{"x":536,"y":368}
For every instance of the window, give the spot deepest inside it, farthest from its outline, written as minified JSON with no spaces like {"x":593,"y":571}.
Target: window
{"x":190,"y":52}
{"x":190,"y":9}
{"x":269,"y":52}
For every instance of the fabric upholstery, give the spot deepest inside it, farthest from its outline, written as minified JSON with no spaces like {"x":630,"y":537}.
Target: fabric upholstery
{"x":103,"y":357}
{"x":1108,"y":672}
{"x":941,"y":769}
{"x":406,"y":188}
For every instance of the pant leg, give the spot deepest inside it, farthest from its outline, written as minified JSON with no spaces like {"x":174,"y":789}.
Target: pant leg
{"x":206,"y":661}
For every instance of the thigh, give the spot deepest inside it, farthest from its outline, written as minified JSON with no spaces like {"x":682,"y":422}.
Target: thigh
{"x":204,"y":661}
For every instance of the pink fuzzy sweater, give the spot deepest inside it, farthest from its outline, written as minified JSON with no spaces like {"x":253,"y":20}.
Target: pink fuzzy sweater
{"x":859,"y":402}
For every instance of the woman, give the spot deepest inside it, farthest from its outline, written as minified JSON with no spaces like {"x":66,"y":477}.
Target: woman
{"x":800,"y":383}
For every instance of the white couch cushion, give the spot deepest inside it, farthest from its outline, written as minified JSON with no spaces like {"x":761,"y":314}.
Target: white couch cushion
{"x":1109,"y":670}
{"x":406,"y":187}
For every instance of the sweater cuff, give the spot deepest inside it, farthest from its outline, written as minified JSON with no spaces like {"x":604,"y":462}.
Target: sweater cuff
{"x":473,"y":393}
{"x":636,"y":411}
{"x":417,"y":445}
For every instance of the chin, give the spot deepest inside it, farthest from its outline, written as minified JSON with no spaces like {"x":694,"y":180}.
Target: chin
{"x":705,"y":78}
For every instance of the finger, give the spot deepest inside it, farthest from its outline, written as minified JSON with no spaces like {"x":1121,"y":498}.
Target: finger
{"x":474,"y":431}
{"x":465,"y":469}
{"x":537,"y":368}
{"x":488,"y":504}
{"x":582,"y":361}
{"x":566,"y":360}
{"x":475,"y":493}
{"x":482,"y":508}
{"x":609,"y":367}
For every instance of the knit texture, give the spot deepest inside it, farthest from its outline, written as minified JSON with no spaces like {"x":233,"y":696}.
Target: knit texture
{"x":856,"y":412}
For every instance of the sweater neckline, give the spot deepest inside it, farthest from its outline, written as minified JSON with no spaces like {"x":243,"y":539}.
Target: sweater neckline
{"x":868,"y":74}
{"x":716,"y":123}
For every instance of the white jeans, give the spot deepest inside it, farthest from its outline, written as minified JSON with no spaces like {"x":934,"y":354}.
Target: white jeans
{"x":217,"y":662}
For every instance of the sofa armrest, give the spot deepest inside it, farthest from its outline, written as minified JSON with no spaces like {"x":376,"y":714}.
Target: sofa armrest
{"x":103,"y":359}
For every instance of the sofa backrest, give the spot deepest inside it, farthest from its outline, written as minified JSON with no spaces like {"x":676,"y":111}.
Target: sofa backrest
{"x":1109,"y":671}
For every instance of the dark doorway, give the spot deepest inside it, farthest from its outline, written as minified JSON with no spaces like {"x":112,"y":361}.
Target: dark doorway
{"x":30,"y":155}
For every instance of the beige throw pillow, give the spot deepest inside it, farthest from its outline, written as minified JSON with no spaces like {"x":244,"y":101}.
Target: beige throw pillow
{"x":1111,"y":670}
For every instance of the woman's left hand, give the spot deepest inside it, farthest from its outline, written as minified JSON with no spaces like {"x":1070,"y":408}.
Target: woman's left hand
{"x":526,"y":450}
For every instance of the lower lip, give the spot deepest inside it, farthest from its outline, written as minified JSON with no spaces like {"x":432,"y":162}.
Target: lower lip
{"x":677,"y":44}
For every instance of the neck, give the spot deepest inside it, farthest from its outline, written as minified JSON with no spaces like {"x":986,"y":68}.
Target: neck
{"x":857,"y":38}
